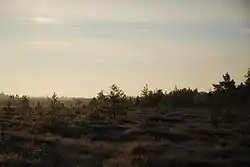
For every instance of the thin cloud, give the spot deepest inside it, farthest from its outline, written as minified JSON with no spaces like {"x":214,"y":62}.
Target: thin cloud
{"x":126,"y":10}
{"x":144,"y":30}
{"x":47,"y":43}
{"x":43,"y":20}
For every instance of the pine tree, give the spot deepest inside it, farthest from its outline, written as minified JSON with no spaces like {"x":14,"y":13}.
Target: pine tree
{"x":247,"y":76}
{"x":55,"y":105}
{"x":225,"y":91}
{"x":26,"y":112}
{"x":145,"y":91}
{"x":226,"y":85}
{"x":116,"y":96}
{"x":101,"y":97}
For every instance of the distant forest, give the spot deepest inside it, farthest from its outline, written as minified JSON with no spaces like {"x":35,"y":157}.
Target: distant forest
{"x":225,"y":93}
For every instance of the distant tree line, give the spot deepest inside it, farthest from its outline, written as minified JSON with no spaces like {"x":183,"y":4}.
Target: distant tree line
{"x":224,"y":94}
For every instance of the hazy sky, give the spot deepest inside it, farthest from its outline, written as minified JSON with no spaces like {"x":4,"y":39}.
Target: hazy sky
{"x":78,"y":47}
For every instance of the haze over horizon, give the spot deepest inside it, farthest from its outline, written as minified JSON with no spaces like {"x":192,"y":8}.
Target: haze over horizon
{"x":79,"y":47}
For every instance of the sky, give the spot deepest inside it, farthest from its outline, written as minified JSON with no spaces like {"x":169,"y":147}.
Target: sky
{"x":79,"y":47}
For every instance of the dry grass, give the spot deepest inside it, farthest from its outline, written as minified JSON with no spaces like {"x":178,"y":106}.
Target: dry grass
{"x":177,"y":138}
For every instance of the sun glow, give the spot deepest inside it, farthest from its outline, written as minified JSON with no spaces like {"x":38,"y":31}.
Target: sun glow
{"x":43,"y":20}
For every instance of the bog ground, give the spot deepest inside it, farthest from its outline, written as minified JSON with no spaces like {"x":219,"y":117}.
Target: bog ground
{"x":138,"y":137}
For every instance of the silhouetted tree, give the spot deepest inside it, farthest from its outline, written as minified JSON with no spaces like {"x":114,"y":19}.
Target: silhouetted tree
{"x":224,"y":91}
{"x":247,"y":76}
{"x":201,"y":99}
{"x":240,"y":95}
{"x":93,"y":103}
{"x":182,"y":97}
{"x":101,"y":98}
{"x":55,"y":105}
{"x":78,"y":103}
{"x":9,"y":105}
{"x":150,"y":98}
{"x":25,"y":109}
{"x":38,"y":105}
{"x":12,"y":100}
{"x":155,"y":97}
{"x":137,"y":100}
{"x":145,"y":91}
{"x":115,"y":97}
{"x":226,"y":85}
{"x":247,"y":88}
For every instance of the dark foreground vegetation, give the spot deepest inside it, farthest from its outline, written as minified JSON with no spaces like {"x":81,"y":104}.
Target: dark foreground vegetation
{"x":181,"y":128}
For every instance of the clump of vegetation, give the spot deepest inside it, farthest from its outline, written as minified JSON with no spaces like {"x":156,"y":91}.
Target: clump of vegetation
{"x":101,"y":98}
{"x":78,"y":104}
{"x":113,"y":102}
{"x":150,"y":98}
{"x":39,"y":107}
{"x":116,"y":97}
{"x":55,"y":106}
{"x":93,"y":104}
{"x":247,"y":76}
{"x":8,"y":106}
{"x":25,"y":109}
